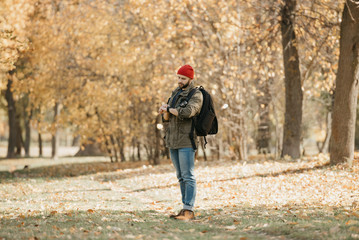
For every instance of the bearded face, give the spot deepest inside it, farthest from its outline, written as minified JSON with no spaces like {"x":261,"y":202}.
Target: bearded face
{"x":183,"y":81}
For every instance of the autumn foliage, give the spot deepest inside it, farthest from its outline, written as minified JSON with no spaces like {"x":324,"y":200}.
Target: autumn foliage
{"x":102,"y":68}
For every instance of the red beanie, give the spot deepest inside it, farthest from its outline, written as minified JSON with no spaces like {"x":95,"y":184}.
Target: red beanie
{"x":187,"y":71}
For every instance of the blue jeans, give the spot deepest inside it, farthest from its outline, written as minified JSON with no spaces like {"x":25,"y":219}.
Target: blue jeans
{"x":183,"y":161}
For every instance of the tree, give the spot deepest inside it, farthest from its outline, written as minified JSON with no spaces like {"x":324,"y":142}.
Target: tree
{"x":12,"y":120}
{"x":293,"y":86}
{"x":346,"y":91}
{"x":108,"y":65}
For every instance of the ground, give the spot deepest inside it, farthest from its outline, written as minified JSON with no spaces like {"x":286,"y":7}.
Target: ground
{"x":254,"y":199}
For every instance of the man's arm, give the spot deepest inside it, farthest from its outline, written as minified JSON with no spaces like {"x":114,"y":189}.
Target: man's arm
{"x":193,"y":107}
{"x":173,"y":111}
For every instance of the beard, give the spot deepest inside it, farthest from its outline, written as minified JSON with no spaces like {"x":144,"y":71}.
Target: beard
{"x":181,"y":85}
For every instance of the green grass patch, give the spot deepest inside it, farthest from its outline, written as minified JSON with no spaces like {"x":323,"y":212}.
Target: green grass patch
{"x":212,"y":224}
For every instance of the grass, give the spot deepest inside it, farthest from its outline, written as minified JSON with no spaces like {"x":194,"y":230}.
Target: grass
{"x":254,"y":200}
{"x":211,"y":224}
{"x":112,"y":224}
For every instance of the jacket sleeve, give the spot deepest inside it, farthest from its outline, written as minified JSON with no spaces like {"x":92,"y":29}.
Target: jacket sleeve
{"x":193,"y":106}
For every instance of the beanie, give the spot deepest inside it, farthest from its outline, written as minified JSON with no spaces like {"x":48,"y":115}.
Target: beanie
{"x":187,"y":71}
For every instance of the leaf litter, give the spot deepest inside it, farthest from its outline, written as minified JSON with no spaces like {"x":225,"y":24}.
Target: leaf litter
{"x":284,"y":197}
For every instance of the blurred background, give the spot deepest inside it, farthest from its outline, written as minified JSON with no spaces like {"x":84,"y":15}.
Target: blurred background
{"x":86,"y":78}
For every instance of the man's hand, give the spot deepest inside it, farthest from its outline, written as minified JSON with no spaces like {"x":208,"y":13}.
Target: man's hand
{"x":163,"y":109}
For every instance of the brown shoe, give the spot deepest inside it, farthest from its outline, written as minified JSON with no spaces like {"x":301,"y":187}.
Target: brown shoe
{"x":177,"y":215}
{"x":186,"y":215}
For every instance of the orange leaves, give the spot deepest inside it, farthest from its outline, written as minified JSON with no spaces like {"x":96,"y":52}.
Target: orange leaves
{"x":52,"y":213}
{"x":236,"y":222}
{"x":69,"y":214}
{"x":352,"y":222}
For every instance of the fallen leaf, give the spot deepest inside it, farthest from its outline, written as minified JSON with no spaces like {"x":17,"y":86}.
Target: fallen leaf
{"x":292,"y":223}
{"x":53,"y":213}
{"x":68,"y":214}
{"x":352,"y":222}
{"x":236,"y":222}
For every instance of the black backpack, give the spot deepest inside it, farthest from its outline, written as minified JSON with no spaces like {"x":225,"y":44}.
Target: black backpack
{"x":205,"y":122}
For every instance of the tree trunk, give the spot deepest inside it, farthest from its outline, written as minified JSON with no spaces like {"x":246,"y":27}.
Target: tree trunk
{"x":139,"y":151}
{"x":107,"y":144}
{"x":40,"y":145}
{"x":114,"y":147}
{"x":19,"y":140}
{"x":121,"y":146}
{"x":76,"y":141}
{"x":293,"y":88}
{"x":12,"y":120}
{"x":27,"y":119}
{"x":55,"y":136}
{"x":263,"y":137}
{"x":156,"y":159}
{"x":323,"y":147}
{"x":346,"y":92}
{"x":133,"y":149}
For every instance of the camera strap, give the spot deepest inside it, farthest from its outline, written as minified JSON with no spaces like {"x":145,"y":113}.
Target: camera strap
{"x":173,"y":102}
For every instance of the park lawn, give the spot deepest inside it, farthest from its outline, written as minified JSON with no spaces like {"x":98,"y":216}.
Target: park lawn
{"x":258,"y":199}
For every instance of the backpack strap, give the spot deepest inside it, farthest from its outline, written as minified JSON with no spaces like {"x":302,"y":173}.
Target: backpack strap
{"x":190,"y":94}
{"x":191,"y":134}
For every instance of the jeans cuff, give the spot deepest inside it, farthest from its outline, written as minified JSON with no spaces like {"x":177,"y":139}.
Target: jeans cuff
{"x":186,"y":207}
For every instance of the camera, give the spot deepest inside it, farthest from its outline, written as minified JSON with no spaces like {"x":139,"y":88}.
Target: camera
{"x":183,"y":103}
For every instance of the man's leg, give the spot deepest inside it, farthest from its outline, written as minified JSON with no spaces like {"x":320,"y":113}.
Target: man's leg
{"x":175,"y":161}
{"x":186,"y":163}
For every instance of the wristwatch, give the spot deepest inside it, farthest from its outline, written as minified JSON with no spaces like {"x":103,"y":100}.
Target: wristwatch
{"x":168,"y":109}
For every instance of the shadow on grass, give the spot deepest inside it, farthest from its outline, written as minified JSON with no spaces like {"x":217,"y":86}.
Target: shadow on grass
{"x":70,"y":170}
{"x":231,"y":223}
{"x":79,"y":169}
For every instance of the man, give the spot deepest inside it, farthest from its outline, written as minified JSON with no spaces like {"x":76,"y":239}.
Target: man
{"x":178,"y":113}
